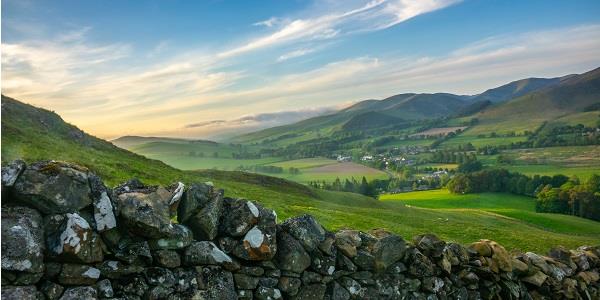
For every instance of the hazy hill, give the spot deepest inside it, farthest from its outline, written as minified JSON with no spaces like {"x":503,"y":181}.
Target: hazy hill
{"x":130,"y":141}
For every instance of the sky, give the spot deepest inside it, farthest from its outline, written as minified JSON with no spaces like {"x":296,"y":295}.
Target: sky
{"x":208,"y":69}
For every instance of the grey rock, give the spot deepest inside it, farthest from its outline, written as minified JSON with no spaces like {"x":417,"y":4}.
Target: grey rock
{"x":53,"y":187}
{"x":134,"y":252}
{"x":310,"y":277}
{"x":245,"y":294}
{"x":354,"y":288}
{"x":245,"y":282}
{"x":179,"y":237}
{"x":291,"y":256}
{"x":132,"y":287}
{"x":313,"y":291}
{"x":364,"y":260}
{"x":345,"y":263}
{"x":22,"y":240}
{"x":306,"y":230}
{"x":253,"y":271}
{"x":75,"y":240}
{"x":322,"y":263}
{"x":239,"y":216}
{"x":388,"y":250}
{"x":159,"y":276}
{"x":260,"y":242}
{"x":80,"y":292}
{"x":24,"y":278}
{"x":205,"y":253}
{"x":158,"y":292}
{"x":347,"y":241}
{"x":51,"y":290}
{"x":200,"y":209}
{"x":11,"y":172}
{"x":268,"y":282}
{"x":337,"y":292}
{"x":289,"y":285}
{"x":144,"y":210}
{"x":104,"y":288}
{"x":219,"y":284}
{"x":74,"y":274}
{"x":20,"y":293}
{"x":115,"y":269}
{"x":430,"y":245}
{"x":167,"y":258}
{"x":104,"y":215}
{"x":433,"y":284}
{"x":266,"y":293}
{"x":419,"y":265}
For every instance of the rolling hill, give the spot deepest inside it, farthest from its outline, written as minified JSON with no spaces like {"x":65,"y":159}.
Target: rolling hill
{"x":517,"y":106}
{"x":33,"y":134}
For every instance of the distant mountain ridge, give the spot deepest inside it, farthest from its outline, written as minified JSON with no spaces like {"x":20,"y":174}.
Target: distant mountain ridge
{"x":412,"y":106}
{"x":130,"y":141}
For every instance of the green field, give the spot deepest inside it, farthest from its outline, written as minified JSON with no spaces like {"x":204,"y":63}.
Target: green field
{"x":323,"y":169}
{"x":581,"y":161}
{"x":478,"y":142}
{"x":513,"y":207}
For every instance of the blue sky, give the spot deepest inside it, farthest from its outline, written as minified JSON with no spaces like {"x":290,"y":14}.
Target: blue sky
{"x":157,"y":67}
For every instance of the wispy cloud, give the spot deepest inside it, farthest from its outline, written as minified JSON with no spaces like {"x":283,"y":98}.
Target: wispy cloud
{"x":272,"y":21}
{"x":374,"y":15}
{"x":294,"y":54}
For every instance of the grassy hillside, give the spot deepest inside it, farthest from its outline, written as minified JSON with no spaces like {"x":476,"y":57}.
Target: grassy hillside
{"x":33,"y":134}
{"x":516,"y":89}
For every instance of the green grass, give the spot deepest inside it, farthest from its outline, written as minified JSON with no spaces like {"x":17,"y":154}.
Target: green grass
{"x":34,"y":134}
{"x":518,"y":208}
{"x":478,"y":142}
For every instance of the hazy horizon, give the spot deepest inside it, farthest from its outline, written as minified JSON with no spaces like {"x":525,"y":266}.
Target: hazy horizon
{"x":200,"y":70}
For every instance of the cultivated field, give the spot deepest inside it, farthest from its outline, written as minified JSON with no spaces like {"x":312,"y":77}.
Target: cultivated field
{"x":438,"y":131}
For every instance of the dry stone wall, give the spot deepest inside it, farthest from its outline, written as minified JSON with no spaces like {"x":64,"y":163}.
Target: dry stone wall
{"x":65,"y":235}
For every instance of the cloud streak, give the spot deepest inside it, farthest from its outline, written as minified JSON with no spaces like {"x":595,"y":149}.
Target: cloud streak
{"x":374,"y":15}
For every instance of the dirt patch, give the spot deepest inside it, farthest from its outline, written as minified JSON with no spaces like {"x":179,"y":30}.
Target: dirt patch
{"x":345,"y":167}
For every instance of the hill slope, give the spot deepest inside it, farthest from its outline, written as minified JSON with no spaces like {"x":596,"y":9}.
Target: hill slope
{"x":571,"y":95}
{"x":516,"y":89}
{"x":34,"y":134}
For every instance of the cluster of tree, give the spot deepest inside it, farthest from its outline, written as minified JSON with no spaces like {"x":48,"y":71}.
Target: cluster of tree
{"x":448,"y":157}
{"x":353,"y":186}
{"x":573,"y":198}
{"x":557,"y":194}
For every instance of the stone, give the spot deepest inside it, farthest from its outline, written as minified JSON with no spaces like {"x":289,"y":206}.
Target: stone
{"x":11,"y":172}
{"x":179,"y":237}
{"x":456,"y":254}
{"x":188,"y":279}
{"x":419,"y":265}
{"x":260,"y":242}
{"x":144,"y":210}
{"x":239,"y":216}
{"x":327,"y":246}
{"x":159,"y":276}
{"x":53,"y":187}
{"x":266,"y":293}
{"x":347,"y":241}
{"x":519,"y":267}
{"x":75,"y":241}
{"x":289,"y":285}
{"x":134,"y":252}
{"x":200,"y":209}
{"x":344,"y":263}
{"x":291,"y":256}
{"x":364,"y":260}
{"x":337,"y":292}
{"x":252,"y":271}
{"x":104,"y":215}
{"x":433,"y":284}
{"x":501,"y":257}
{"x":158,"y":292}
{"x":104,"y":288}
{"x":52,"y":270}
{"x":353,"y":287}
{"x":388,"y":250}
{"x":80,"y":292}
{"x":313,"y":291}
{"x":22,"y":240}
{"x":536,"y":279}
{"x":20,"y":293}
{"x":51,"y":290}
{"x":482,"y":248}
{"x":75,"y":274}
{"x":268,"y":282}
{"x":219,"y":284}
{"x":167,"y":258}
{"x":561,"y":254}
{"x":430,"y":245}
{"x":132,"y":287}
{"x":177,"y":190}
{"x":245,"y":282}
{"x":322,"y":263}
{"x":306,"y":230}
{"x":205,"y":253}
{"x":115,"y":269}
